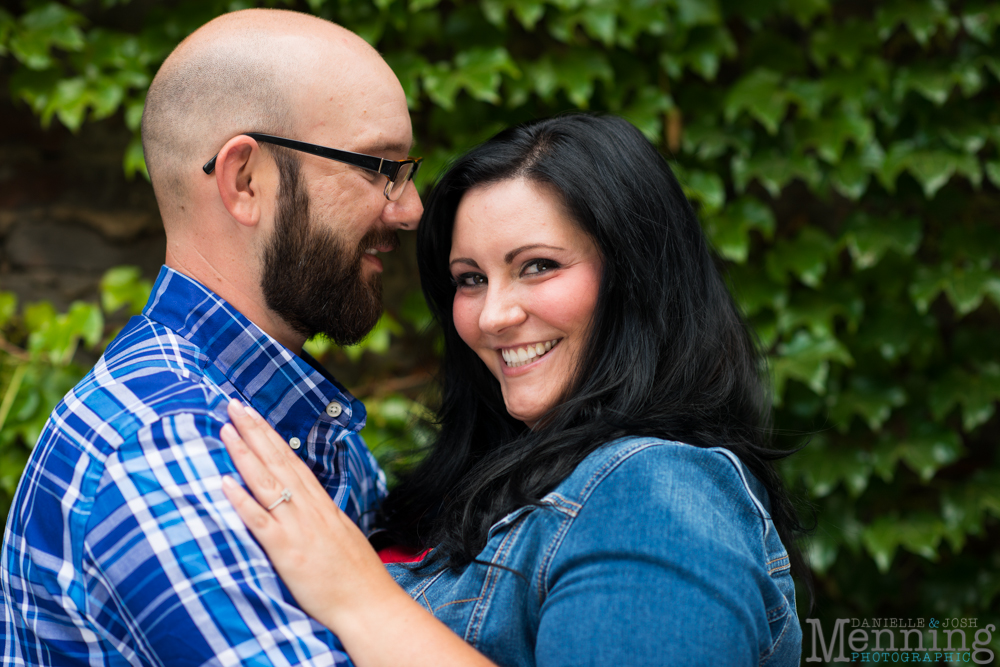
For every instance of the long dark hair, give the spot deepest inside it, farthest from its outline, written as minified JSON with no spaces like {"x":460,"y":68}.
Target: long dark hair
{"x":669,"y":353}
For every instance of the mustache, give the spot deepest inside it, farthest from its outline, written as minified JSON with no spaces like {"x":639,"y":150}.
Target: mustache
{"x":381,"y":238}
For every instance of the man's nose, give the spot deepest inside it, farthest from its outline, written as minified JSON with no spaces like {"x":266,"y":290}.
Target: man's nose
{"x":501,"y":310}
{"x":405,"y":212}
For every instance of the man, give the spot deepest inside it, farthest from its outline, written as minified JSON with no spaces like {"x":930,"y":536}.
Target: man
{"x":120,"y":547}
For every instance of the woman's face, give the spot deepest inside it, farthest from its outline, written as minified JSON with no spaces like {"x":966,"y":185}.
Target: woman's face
{"x":528,"y":278}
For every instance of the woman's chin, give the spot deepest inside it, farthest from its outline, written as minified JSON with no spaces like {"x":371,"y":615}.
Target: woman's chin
{"x":529,"y":414}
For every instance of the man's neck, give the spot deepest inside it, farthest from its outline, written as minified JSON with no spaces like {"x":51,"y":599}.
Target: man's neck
{"x":237,"y":284}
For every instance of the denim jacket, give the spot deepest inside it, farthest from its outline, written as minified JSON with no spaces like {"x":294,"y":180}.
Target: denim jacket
{"x":650,"y":553}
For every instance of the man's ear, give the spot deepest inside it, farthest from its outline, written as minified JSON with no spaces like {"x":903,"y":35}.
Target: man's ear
{"x":239,"y":173}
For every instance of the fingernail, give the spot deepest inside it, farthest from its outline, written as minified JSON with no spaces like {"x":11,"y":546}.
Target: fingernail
{"x":253,"y":413}
{"x":237,"y":407}
{"x":229,"y":482}
{"x":228,"y":431}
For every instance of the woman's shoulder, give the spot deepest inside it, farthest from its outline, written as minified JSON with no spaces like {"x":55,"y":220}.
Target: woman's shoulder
{"x":653,"y":471}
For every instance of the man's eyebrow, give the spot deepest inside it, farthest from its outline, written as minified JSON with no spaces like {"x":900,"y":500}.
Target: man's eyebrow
{"x":379,"y":149}
{"x":509,"y":257}
{"x":463,"y":260}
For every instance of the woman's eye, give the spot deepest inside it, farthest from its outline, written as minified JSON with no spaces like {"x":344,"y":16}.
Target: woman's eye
{"x":536,"y":266}
{"x":470,"y":280}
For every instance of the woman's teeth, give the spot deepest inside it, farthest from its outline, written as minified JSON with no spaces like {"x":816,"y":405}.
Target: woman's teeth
{"x":519,"y":356}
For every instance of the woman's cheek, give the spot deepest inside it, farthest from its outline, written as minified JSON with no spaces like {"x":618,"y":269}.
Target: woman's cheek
{"x":465,"y":312}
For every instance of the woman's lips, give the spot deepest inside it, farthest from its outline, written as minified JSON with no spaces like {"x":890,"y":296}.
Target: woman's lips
{"x":521,"y":355}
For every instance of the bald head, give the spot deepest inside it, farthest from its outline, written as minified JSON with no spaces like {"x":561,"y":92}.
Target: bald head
{"x":247,"y":71}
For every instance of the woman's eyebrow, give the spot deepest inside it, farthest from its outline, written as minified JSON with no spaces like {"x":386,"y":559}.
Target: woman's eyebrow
{"x":509,"y":257}
{"x":463,"y":260}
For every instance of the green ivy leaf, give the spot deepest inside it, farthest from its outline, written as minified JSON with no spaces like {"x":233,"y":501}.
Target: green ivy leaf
{"x":415,"y":311}
{"x":8,"y":306}
{"x":930,"y":447}
{"x":920,"y":533}
{"x":575,"y":73}
{"x":932,"y":83}
{"x":708,"y":140}
{"x":807,"y":359}
{"x":421,"y":5}
{"x":893,"y":329}
{"x":871,"y":399}
{"x":646,"y":112}
{"x":761,"y":95}
{"x":981,"y":20}
{"x":754,"y":289}
{"x":977,"y":394}
{"x":774,"y":170}
{"x":697,"y":12}
{"x":636,"y":17}
{"x":818,"y":311}
{"x":922,"y":18}
{"x":729,"y":231}
{"x":409,"y":67}
{"x":852,"y":174}
{"x":377,"y":340}
{"x":38,"y":315}
{"x":706,"y":48}
{"x":824,"y":465}
{"x":704,"y":187}
{"x":7,"y":26}
{"x":848,"y":42}
{"x":124,"y":286}
{"x":134,"y":161}
{"x":806,"y":257}
{"x":830,"y":134}
{"x":933,"y":169}
{"x":867,"y":239}
{"x":46,"y":26}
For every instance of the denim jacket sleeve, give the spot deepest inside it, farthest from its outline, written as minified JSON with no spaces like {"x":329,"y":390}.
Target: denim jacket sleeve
{"x":671,"y":559}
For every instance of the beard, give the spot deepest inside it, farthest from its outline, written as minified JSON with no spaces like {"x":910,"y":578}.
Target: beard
{"x":310,"y":277}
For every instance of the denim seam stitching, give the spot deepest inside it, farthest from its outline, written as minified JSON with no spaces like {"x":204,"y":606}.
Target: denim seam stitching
{"x":784,"y":563}
{"x":550,"y":551}
{"x":562,"y":504}
{"x":777,"y":642}
{"x":422,"y":589}
{"x":595,"y":480}
{"x":489,"y":585}
{"x":456,"y":602}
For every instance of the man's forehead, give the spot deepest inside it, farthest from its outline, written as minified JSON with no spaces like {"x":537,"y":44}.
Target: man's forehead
{"x":374,"y":121}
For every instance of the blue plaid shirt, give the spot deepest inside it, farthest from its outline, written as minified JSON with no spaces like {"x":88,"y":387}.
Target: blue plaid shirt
{"x":121,"y":549}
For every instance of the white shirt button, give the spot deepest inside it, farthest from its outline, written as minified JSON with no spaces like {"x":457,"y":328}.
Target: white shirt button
{"x":295,"y":443}
{"x":334,"y":409}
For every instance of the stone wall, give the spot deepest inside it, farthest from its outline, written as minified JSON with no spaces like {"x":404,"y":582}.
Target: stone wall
{"x":67,"y":212}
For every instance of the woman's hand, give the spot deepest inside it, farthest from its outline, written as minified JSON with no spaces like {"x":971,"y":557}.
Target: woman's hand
{"x":325,"y":560}
{"x":308,"y":539}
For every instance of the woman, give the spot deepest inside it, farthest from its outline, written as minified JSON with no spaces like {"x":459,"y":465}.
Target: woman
{"x":588,"y":334}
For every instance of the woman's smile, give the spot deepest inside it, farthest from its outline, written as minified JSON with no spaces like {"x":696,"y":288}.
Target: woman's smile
{"x":524,"y":355}
{"x":526,"y":282}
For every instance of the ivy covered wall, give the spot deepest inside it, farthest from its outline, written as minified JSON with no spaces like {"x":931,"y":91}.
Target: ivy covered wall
{"x":845,"y":160}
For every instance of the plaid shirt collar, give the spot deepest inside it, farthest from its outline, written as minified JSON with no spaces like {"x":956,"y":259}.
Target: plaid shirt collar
{"x":236,"y":352}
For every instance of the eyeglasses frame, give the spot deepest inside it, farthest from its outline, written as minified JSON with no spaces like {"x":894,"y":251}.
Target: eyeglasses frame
{"x":388,"y":168}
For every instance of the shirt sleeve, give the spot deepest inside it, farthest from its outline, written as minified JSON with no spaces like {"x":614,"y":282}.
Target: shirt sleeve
{"x":173,"y":576}
{"x":662,"y":565}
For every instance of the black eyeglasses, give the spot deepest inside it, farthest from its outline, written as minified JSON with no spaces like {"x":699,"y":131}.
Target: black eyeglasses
{"x":399,"y":172}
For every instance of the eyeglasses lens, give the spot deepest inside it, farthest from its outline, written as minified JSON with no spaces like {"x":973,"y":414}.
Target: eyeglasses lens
{"x":397,"y":186}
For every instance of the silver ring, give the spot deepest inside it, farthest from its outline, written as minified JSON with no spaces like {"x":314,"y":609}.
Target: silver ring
{"x":286,"y":496}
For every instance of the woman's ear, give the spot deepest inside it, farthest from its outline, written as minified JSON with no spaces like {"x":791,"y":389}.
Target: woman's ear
{"x":239,"y":175}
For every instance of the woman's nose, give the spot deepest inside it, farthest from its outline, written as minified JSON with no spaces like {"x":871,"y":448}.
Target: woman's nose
{"x":501,"y":310}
